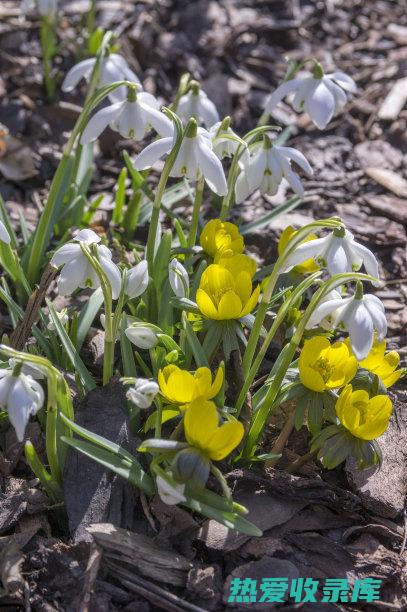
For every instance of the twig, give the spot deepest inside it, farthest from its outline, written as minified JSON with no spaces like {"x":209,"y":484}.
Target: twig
{"x":293,"y":467}
{"x":159,"y":597}
{"x":91,"y":572}
{"x":22,"y":332}
{"x":404,"y":542}
{"x":281,"y":441}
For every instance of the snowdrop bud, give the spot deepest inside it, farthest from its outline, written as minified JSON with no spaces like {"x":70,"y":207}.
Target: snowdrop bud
{"x":170,"y":493}
{"x":4,"y":235}
{"x":319,"y":95}
{"x":179,"y":279}
{"x":137,"y":280}
{"x":142,"y":336}
{"x":196,"y":104}
{"x":62,"y":316}
{"x":21,"y":396}
{"x":143,"y":393}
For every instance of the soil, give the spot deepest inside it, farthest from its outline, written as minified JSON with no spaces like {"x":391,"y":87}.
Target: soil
{"x":316,"y":524}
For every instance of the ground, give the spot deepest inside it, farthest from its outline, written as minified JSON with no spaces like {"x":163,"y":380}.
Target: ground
{"x":316,"y":524}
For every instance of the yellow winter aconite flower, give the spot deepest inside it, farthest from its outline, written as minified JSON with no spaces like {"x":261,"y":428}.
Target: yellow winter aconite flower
{"x":237,"y":263}
{"x":182,"y":387}
{"x":309,"y":265}
{"x":323,"y":365}
{"x":202,"y":430}
{"x":221,"y":237}
{"x":223,"y":296}
{"x":383,"y":364}
{"x":366,"y":418}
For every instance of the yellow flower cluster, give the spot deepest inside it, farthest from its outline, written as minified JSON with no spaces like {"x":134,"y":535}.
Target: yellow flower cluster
{"x":192,"y":392}
{"x":226,"y":291}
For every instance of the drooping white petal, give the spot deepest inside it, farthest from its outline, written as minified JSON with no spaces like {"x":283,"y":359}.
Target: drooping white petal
{"x":208,"y":111}
{"x":152,"y":153}
{"x":337,"y":259}
{"x":137,"y":279}
{"x":296,"y":156}
{"x":242,"y":187}
{"x":113,"y":274}
{"x":304,"y":92}
{"x":25,"y":398}
{"x":4,"y":235}
{"x":338,"y":93}
{"x":321,"y":106}
{"x":75,"y":74}
{"x":256,"y":168}
{"x":162,"y":125}
{"x":369,"y":260}
{"x":72,"y":275}
{"x":345,"y":81}
{"x":281,"y":92}
{"x":88,"y":236}
{"x":376,"y":310}
{"x":100,"y":121}
{"x":294,"y":182}
{"x":312,"y":248}
{"x":323,"y":310}
{"x":211,"y":168}
{"x":131,"y":123}
{"x":5,"y":381}
{"x":360,"y":327}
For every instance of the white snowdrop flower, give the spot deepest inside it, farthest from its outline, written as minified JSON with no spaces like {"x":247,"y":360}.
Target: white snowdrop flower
{"x":320,"y":95}
{"x":137,"y":279}
{"x":77,"y":270}
{"x":21,"y":396}
{"x":143,"y":392}
{"x":179,"y":279}
{"x":195,"y":158}
{"x":338,"y":252}
{"x":46,"y":8}
{"x":132,"y":118}
{"x":327,"y":323}
{"x":142,"y":336}
{"x":170,"y":494}
{"x":4,"y":235}
{"x":62,"y":316}
{"x":359,"y":314}
{"x":196,"y":104}
{"x":265,"y":167}
{"x":225,"y":141}
{"x":112,"y":68}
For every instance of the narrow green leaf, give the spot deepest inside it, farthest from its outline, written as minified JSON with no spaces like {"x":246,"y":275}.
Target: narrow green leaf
{"x":196,"y":347}
{"x":87,"y":316}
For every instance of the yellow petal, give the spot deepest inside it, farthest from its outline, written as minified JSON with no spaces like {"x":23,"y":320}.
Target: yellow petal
{"x":237,"y":264}
{"x":389,"y":380}
{"x":205,"y":305}
{"x":230,"y":306}
{"x":311,"y":379}
{"x":200,"y":422}
{"x":202,"y":383}
{"x":251,"y":303}
{"x":243,"y":286}
{"x":163,"y":376}
{"x":224,"y":440}
{"x":180,"y":387}
{"x":217,"y":383}
{"x":312,"y":349}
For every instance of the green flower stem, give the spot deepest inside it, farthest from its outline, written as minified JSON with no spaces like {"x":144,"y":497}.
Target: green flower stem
{"x":108,"y":356}
{"x":265,"y":409}
{"x":155,"y":215}
{"x":195,"y":212}
{"x":52,"y":488}
{"x":227,"y":201}
{"x":250,"y":376}
{"x":295,"y":241}
{"x":223,"y":483}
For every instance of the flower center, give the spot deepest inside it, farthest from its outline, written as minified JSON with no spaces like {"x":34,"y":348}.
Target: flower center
{"x":324,"y":368}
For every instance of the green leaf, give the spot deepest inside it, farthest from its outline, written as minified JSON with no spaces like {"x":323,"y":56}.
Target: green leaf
{"x":87,"y":316}
{"x":159,"y":445}
{"x":229,"y":519}
{"x":300,"y":409}
{"x":71,"y":351}
{"x":166,"y":415}
{"x":315,"y":413}
{"x":130,"y":470}
{"x":196,"y":347}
